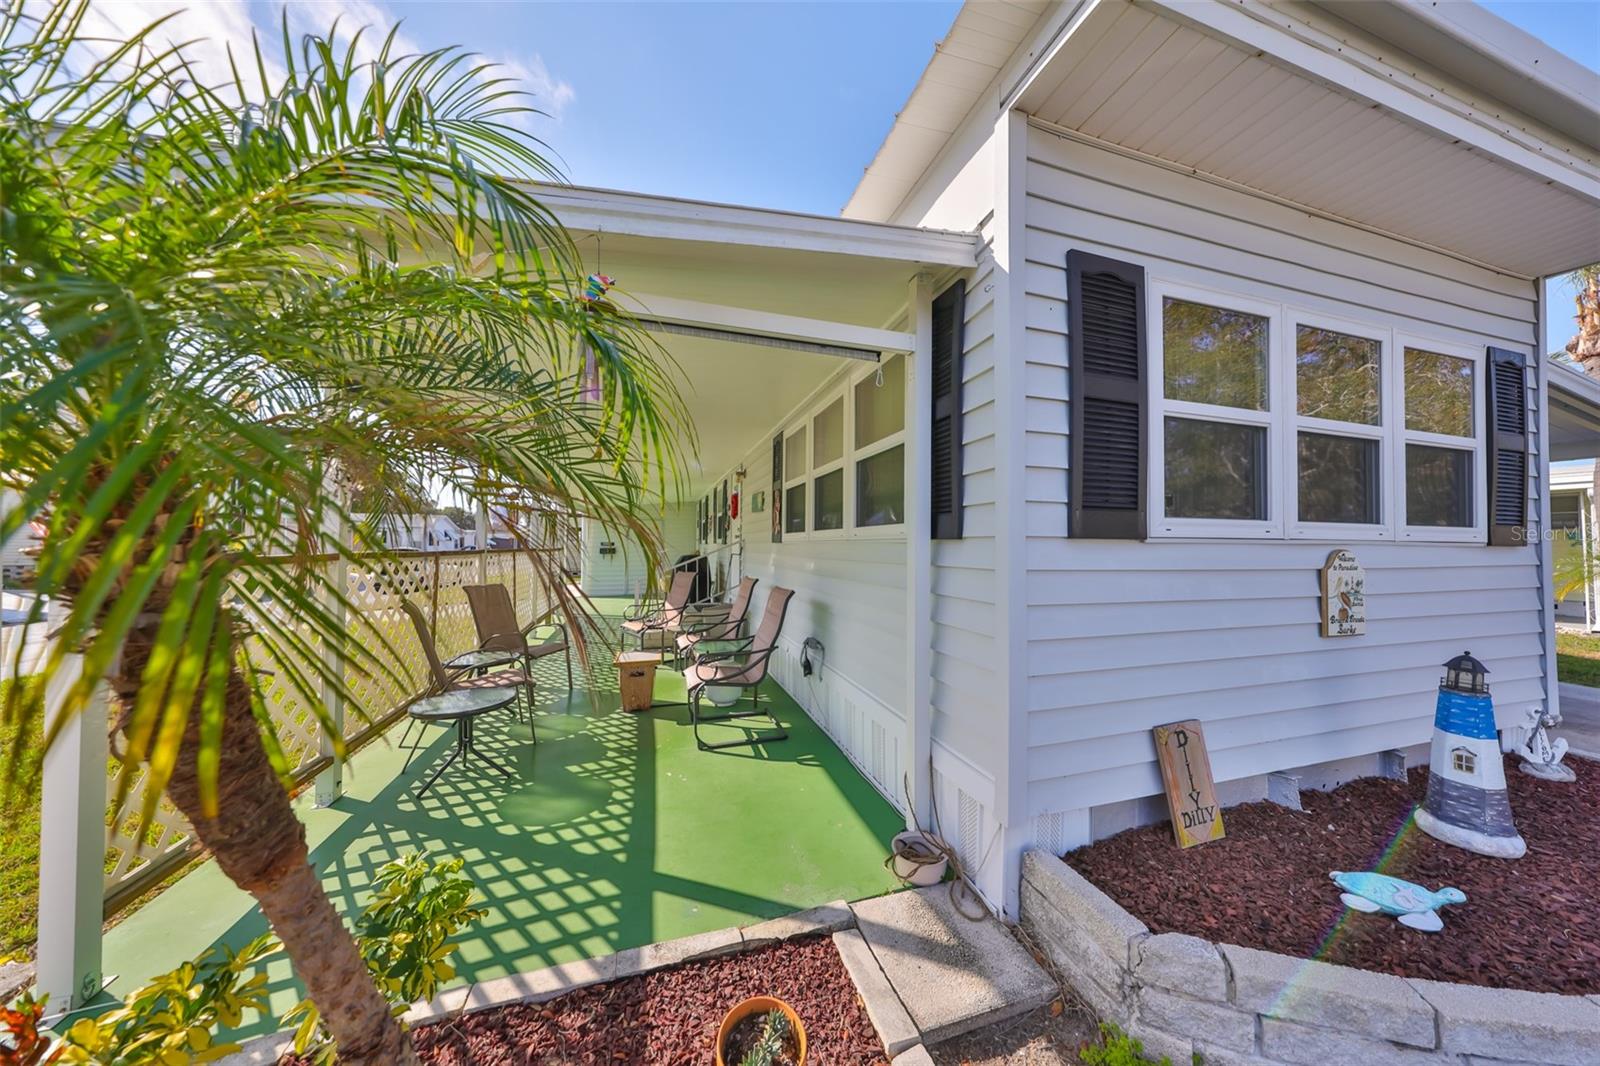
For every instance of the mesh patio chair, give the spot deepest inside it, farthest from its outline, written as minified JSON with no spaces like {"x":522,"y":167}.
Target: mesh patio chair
{"x":442,"y":678}
{"x":729,"y":626}
{"x":664,"y":617}
{"x":495,"y":618}
{"x":745,"y":668}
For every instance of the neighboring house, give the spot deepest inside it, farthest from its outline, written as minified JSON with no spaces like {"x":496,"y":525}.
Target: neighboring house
{"x":1140,"y":312}
{"x":1572,"y":519}
{"x":417,"y":532}
{"x":15,"y":562}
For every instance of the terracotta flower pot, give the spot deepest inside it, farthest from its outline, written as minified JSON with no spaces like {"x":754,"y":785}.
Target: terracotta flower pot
{"x":761,"y":1005}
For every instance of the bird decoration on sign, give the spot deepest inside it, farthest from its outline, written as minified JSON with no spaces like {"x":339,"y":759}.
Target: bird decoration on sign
{"x":1412,"y":905}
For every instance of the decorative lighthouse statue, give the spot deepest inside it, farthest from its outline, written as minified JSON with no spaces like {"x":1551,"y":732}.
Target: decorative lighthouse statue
{"x":1467,"y":804}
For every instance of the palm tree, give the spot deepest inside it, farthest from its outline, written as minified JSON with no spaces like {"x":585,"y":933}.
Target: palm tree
{"x":1584,"y":347}
{"x":222,"y":302}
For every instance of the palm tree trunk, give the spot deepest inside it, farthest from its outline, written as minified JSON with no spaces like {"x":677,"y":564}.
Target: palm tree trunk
{"x":261,"y":845}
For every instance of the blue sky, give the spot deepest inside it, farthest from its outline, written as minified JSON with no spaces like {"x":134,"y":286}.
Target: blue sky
{"x":774,"y":104}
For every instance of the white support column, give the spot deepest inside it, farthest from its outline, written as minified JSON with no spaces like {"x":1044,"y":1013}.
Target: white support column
{"x":483,"y":542}
{"x":72,"y":847}
{"x":919,"y":547}
{"x":336,"y":535}
{"x":1010,"y":465}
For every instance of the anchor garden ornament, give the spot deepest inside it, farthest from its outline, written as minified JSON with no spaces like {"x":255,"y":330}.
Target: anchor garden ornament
{"x":1413,"y":905}
{"x":1541,"y":756}
{"x":1467,"y":804}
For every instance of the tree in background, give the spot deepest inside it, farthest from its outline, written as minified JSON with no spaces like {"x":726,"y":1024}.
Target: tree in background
{"x":1584,"y":347}
{"x":221,"y":303}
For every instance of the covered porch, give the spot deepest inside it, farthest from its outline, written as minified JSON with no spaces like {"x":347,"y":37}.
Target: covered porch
{"x":613,"y":832}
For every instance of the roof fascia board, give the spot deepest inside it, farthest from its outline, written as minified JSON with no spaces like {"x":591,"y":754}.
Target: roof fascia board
{"x":1329,"y":60}
{"x":1047,"y":41}
{"x":608,"y":211}
{"x":766,"y":323}
{"x":1479,"y":49}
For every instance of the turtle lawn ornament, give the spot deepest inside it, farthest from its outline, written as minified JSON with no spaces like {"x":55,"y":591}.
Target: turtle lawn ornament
{"x":1414,"y":906}
{"x":1541,"y":756}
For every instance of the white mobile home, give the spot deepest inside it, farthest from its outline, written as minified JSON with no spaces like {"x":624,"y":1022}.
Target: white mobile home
{"x":1140,"y":312}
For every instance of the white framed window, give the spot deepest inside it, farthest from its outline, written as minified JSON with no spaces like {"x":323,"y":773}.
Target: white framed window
{"x":828,"y":469}
{"x":878,"y":454}
{"x":1268,"y":421}
{"x":795,"y":470}
{"x":844,"y":457}
{"x":1216,"y":401}
{"x":1442,"y":481}
{"x":1340,"y":487}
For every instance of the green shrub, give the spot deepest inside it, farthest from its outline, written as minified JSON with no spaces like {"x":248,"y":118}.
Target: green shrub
{"x":405,"y":937}
{"x":1116,"y":1048}
{"x":170,"y":1021}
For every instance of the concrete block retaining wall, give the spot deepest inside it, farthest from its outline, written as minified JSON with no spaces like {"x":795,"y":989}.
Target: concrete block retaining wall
{"x":1237,"y":1006}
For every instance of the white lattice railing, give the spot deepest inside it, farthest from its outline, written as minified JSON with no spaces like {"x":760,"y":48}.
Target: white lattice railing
{"x":433,"y":581}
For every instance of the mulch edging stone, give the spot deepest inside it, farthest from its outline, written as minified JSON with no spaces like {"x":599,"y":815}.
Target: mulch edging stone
{"x":1530,"y":923}
{"x":667,"y":1016}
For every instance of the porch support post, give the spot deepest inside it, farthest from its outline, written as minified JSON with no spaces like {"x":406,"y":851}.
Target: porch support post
{"x":72,"y":846}
{"x":919,"y":548}
{"x":1546,"y":547}
{"x":483,"y":541}
{"x":330,"y":782}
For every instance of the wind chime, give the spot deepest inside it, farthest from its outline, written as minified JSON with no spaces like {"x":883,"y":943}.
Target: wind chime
{"x":595,"y":287}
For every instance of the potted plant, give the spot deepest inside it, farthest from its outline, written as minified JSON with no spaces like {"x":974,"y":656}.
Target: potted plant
{"x":761,"y":1031}
{"x":918,"y":858}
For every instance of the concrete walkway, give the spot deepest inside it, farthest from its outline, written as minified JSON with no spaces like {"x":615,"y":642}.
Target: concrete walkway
{"x":1580,"y":718}
{"x":952,"y":975}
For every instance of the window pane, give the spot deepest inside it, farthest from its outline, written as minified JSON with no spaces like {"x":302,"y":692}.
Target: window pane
{"x":1337,"y":376}
{"x":1438,"y":393}
{"x":794,"y":509}
{"x":881,"y":488}
{"x":827,"y":434}
{"x":1215,"y":470}
{"x":881,"y":409}
{"x":1339,"y":479}
{"x":1213,"y":355}
{"x":830,"y":501}
{"x":794,"y":455}
{"x":1438,"y":486}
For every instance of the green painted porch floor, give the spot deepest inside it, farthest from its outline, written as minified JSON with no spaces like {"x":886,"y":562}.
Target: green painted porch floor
{"x":614,"y":831}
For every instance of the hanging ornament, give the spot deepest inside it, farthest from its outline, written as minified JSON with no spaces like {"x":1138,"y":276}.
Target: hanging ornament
{"x":596,"y":287}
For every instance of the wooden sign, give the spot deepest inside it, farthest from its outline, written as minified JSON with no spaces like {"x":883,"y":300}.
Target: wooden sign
{"x":1344,"y":595}
{"x":1186,"y":774}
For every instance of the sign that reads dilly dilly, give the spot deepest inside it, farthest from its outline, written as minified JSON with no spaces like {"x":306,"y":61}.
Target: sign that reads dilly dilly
{"x":1186,"y":775}
{"x":1344,"y":595}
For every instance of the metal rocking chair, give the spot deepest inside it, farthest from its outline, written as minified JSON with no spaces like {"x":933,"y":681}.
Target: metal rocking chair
{"x":744,"y":667}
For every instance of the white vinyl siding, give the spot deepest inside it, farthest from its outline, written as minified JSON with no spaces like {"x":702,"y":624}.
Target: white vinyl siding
{"x":968,"y":715}
{"x":1126,"y":635}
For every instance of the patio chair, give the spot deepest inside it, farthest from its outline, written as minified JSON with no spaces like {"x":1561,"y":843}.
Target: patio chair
{"x":729,"y":626}
{"x":745,"y":668}
{"x":664,"y":617}
{"x":442,"y":678}
{"x":496,"y":620}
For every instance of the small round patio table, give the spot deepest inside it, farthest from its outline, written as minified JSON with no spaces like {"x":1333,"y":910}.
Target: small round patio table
{"x":461,"y":707}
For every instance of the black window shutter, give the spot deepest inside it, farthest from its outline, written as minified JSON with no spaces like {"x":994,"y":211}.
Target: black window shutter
{"x":775,"y":503}
{"x":1508,"y":447}
{"x":1107,"y":381}
{"x":944,"y":491}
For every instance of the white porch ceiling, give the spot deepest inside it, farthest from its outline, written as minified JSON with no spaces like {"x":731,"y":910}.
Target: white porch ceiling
{"x":1143,"y":79}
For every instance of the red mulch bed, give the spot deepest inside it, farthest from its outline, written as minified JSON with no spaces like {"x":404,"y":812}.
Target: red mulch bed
{"x":1530,"y":923}
{"x":667,"y":1017}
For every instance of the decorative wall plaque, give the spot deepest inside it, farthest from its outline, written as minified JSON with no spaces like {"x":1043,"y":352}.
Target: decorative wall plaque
{"x":1344,"y":595}
{"x":1186,"y":775}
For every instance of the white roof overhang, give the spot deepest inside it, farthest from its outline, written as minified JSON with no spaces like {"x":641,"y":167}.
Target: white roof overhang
{"x":1441,"y":125}
{"x":1574,"y":399}
{"x":756,"y":308}
{"x":1290,"y":102}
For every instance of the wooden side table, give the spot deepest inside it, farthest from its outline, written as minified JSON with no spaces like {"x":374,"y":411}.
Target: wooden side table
{"x":636,"y":678}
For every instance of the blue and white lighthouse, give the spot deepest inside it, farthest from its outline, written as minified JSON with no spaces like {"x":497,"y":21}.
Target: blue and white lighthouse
{"x":1467,"y":804}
